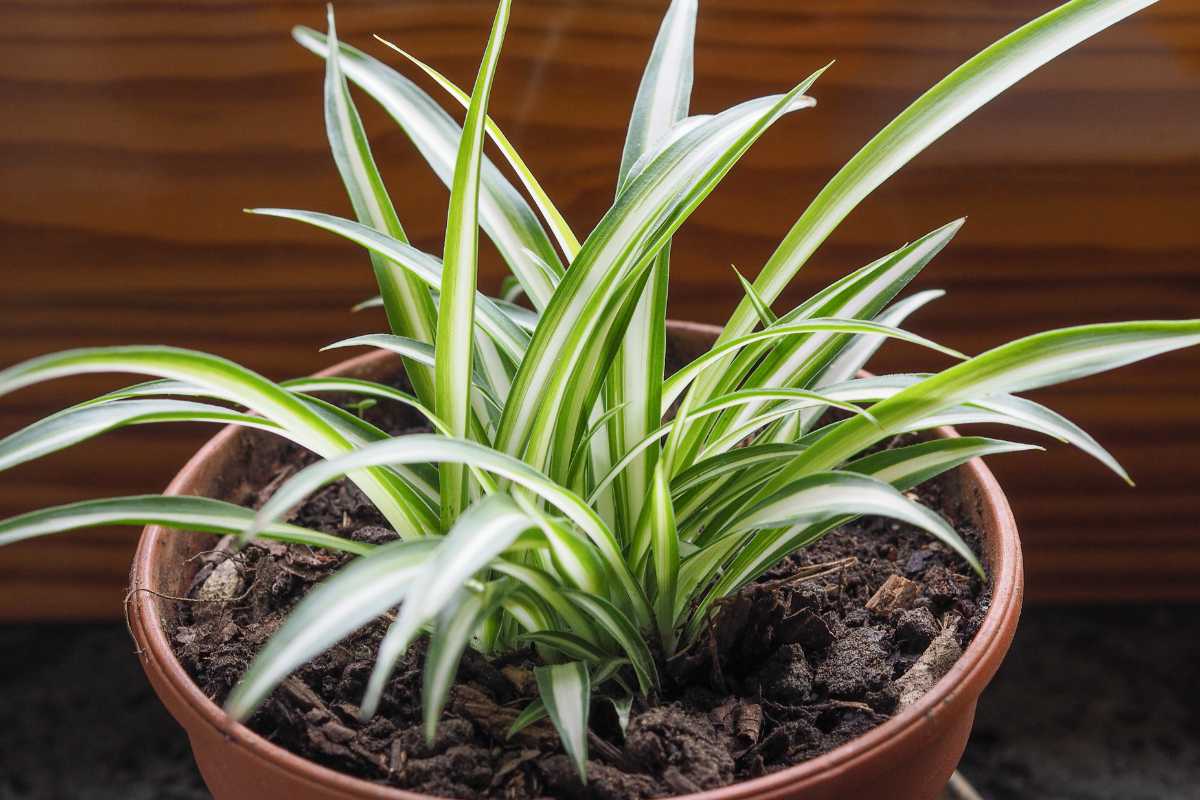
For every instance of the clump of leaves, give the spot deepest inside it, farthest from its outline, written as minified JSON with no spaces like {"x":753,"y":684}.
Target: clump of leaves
{"x":569,"y":510}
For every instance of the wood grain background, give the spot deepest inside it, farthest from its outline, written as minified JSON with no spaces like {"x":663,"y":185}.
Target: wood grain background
{"x":134,"y":132}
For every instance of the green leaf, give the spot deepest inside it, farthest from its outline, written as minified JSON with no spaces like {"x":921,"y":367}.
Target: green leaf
{"x":406,"y":479}
{"x":566,"y":692}
{"x":406,"y":301}
{"x":654,"y":205}
{"x":831,"y":493}
{"x":656,"y":533}
{"x":665,"y":89}
{"x":766,"y":316}
{"x":856,"y":354}
{"x":454,"y":351}
{"x":78,"y":424}
{"x":573,"y":556}
{"x":417,"y":351}
{"x":912,"y":465}
{"x":1001,"y":409}
{"x":623,"y":705}
{"x":903,"y":468}
{"x":421,"y":448}
{"x":558,"y":225}
{"x":800,"y":399}
{"x":202,"y":514}
{"x":510,"y":338}
{"x":362,"y":387}
{"x":550,"y":591}
{"x":627,"y":636}
{"x":510,"y":289}
{"x":530,"y":714}
{"x":1040,"y":360}
{"x":528,"y":610}
{"x":522,"y":317}
{"x":599,"y":355}
{"x":484,"y":531}
{"x":799,"y":360}
{"x":456,"y":624}
{"x":358,"y":593}
{"x":791,"y":402}
{"x":568,"y":644}
{"x":723,"y":476}
{"x":583,"y":447}
{"x":157,"y":388}
{"x":635,"y":384}
{"x":814,"y":504}
{"x":936,"y":111}
{"x":1034,"y":416}
{"x":704,"y":472}
{"x":233,"y":383}
{"x":679,"y":381}
{"x":112,"y":411}
{"x":504,"y":215}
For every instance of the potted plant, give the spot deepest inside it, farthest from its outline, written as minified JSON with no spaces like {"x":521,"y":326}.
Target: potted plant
{"x":573,"y":547}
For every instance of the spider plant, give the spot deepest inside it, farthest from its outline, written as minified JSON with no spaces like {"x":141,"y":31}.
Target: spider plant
{"x":585,"y":503}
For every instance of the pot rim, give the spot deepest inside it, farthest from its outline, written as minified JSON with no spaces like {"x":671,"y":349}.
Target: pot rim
{"x":976,"y":664}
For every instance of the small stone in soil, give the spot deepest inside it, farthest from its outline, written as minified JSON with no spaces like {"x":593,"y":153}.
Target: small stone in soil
{"x":798,"y":738}
{"x":223,"y":583}
{"x":943,"y":587}
{"x":786,"y":677}
{"x":856,"y":664}
{"x":806,"y":629}
{"x":915,"y":629}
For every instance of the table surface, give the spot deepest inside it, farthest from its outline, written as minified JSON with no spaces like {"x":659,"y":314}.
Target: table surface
{"x":1093,"y":703}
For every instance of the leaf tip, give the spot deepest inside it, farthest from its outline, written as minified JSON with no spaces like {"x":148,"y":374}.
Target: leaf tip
{"x":977,"y":567}
{"x":395,"y":47}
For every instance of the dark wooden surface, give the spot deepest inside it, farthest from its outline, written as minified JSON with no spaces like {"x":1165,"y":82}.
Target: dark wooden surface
{"x":134,"y":132}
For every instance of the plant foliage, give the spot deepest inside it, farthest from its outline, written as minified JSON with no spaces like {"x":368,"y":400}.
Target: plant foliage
{"x":571,"y":496}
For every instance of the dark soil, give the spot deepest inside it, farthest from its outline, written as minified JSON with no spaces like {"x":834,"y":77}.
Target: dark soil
{"x":789,"y":670}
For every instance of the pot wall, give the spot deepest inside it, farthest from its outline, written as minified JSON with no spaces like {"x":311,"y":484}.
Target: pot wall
{"x":909,"y":757}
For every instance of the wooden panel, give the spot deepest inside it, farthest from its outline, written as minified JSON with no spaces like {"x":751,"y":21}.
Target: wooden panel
{"x":131,"y":133}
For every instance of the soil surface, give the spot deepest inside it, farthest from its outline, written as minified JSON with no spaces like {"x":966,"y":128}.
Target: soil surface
{"x":790,"y":668}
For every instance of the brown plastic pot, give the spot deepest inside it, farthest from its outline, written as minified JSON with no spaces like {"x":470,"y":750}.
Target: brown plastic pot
{"x":909,"y":757}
